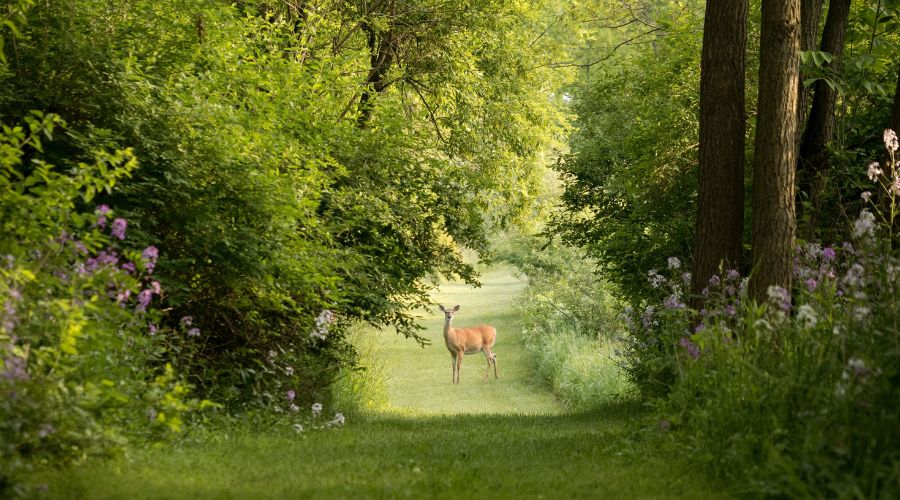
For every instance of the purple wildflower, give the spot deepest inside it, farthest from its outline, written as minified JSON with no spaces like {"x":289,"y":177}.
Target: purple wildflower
{"x":101,"y":219}
{"x":733,"y":274}
{"x":153,"y":329}
{"x":194,"y":332}
{"x":692,"y":349}
{"x":150,"y":254}
{"x":714,"y":281}
{"x":828,"y":254}
{"x":291,"y":395}
{"x":811,"y":284}
{"x":118,"y":228}
{"x":730,"y":310}
{"x":672,"y":302}
{"x":157,"y":289}
{"x":128,"y":267}
{"x":144,"y":299}
{"x":187,"y":320}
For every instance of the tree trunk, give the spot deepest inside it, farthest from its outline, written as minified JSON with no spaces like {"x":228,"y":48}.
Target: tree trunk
{"x":774,"y":221}
{"x":814,"y":158}
{"x":810,"y":13}
{"x":382,"y":50}
{"x":720,"y":214}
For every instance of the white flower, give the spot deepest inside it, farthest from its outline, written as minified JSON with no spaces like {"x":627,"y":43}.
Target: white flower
{"x":674,"y":263}
{"x":289,"y":370}
{"x":864,"y":225}
{"x":656,"y":280}
{"x":855,"y":275}
{"x":860,"y":313}
{"x":874,"y":170}
{"x":806,"y":315}
{"x":338,"y":420}
{"x":316,"y":409}
{"x":866,"y":196}
{"x":324,"y":319}
{"x":298,"y":427}
{"x":294,"y":407}
{"x":890,"y":140}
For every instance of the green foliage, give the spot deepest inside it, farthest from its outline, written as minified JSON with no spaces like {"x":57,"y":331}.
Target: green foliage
{"x":570,"y":322}
{"x":630,"y":180}
{"x":76,"y":359}
{"x":270,"y":197}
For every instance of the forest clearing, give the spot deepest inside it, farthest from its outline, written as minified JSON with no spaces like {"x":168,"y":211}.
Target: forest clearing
{"x":431,"y":248}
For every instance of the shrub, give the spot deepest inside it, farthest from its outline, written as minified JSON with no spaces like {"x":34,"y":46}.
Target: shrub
{"x":78,"y":334}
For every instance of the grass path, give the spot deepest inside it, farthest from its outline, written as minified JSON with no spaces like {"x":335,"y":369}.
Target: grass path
{"x":506,"y":438}
{"x":419,"y":378}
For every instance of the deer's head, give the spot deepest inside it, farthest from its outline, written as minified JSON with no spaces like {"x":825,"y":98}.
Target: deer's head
{"x":448,"y":313}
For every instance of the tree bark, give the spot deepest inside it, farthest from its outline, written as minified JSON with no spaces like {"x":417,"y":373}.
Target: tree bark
{"x":382,"y":51}
{"x":814,"y":157}
{"x":774,"y":219}
{"x":810,"y":13}
{"x":719,"y":227}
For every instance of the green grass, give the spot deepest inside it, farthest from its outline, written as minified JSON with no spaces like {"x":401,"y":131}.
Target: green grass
{"x":469,"y":456}
{"x":504,"y":438}
{"x":419,"y":378}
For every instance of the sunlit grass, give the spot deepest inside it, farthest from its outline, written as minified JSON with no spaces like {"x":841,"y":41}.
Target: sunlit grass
{"x":419,"y":378}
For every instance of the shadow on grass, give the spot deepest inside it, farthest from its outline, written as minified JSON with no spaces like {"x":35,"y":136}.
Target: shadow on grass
{"x":597,"y":454}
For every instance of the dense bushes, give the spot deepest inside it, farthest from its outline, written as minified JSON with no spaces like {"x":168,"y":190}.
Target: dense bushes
{"x":82,"y":356}
{"x":273,"y":193}
{"x":570,"y":321}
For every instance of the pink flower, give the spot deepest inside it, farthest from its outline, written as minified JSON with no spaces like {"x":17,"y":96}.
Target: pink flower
{"x":291,"y":395}
{"x":118,"y":228}
{"x":890,"y":140}
{"x":874,"y":170}
{"x":144,"y":299}
{"x":194,"y":332}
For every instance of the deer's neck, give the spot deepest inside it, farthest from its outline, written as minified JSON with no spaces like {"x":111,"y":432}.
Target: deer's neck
{"x":447,"y":329}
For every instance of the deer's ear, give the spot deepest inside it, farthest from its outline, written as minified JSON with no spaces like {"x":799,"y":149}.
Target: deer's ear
{"x":456,"y":308}
{"x":441,"y":308}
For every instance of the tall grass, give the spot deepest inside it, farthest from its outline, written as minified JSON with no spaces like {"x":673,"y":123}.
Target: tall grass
{"x":581,"y":370}
{"x":571,"y":326}
{"x":363,"y":390}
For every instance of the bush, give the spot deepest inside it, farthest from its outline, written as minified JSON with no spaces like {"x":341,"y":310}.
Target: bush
{"x":78,"y":331}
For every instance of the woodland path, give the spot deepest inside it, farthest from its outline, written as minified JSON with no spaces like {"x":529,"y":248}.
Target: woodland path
{"x":505,"y":438}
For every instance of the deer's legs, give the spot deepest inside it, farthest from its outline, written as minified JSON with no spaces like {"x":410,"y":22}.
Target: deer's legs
{"x":459,"y":358}
{"x":491,"y":360}
{"x":453,"y":367}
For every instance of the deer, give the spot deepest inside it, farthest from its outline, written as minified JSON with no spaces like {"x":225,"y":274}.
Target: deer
{"x":462,"y":341}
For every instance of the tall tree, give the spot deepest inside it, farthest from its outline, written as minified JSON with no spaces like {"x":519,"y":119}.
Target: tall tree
{"x":720,"y":215}
{"x":774,"y":218}
{"x":814,"y":157}
{"x":810,"y":13}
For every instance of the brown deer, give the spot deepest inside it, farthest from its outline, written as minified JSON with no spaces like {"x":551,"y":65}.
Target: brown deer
{"x":461,"y":341}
